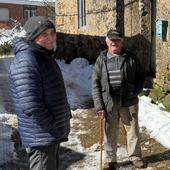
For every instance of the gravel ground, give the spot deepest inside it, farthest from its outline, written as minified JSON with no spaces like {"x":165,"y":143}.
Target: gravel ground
{"x":81,"y":152}
{"x":86,"y":126}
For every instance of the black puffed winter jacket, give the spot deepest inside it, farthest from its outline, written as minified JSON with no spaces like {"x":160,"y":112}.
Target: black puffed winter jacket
{"x":39,"y":96}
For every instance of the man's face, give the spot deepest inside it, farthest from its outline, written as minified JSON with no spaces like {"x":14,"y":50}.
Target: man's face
{"x":47,"y":39}
{"x":114,"y":45}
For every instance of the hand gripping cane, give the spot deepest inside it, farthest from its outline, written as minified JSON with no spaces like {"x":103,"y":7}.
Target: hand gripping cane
{"x":101,"y":141}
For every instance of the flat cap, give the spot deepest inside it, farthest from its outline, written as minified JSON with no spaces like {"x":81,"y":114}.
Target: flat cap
{"x":114,"y":34}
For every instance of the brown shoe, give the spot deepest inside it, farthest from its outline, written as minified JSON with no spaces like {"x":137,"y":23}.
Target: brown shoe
{"x":109,"y":166}
{"x":138,"y":164}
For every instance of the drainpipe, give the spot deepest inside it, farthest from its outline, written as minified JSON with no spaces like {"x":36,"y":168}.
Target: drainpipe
{"x":120,"y":16}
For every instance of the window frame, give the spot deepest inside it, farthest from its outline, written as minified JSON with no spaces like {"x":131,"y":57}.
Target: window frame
{"x":81,"y":8}
{"x":29,"y":12}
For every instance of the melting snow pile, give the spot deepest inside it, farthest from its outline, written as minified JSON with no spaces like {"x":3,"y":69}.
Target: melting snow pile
{"x":156,"y":121}
{"x":77,"y":77}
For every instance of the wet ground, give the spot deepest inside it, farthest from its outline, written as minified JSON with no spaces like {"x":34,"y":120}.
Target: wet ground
{"x":81,"y":152}
{"x":155,"y":155}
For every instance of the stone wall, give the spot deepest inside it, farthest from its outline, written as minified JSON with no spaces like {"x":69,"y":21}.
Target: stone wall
{"x":96,"y":11}
{"x":137,"y":26}
{"x":48,"y":11}
{"x":86,"y":41}
{"x":163,"y":47}
{"x":70,"y":46}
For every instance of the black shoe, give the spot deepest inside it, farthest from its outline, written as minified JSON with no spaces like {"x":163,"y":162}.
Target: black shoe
{"x":110,"y":166}
{"x":138,"y":164}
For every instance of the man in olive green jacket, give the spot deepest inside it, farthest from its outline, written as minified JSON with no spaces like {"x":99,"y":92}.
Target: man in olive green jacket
{"x":118,"y":78}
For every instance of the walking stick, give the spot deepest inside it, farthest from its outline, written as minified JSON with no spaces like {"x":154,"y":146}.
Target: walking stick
{"x":101,"y":141}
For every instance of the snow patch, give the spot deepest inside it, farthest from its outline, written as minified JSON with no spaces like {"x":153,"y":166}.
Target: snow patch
{"x":156,"y":121}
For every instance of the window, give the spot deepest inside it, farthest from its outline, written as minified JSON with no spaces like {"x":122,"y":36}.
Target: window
{"x":29,"y":12}
{"x":4,"y":14}
{"x":81,"y":13}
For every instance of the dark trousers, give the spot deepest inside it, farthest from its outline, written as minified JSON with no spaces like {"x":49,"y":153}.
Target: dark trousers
{"x":44,"y":157}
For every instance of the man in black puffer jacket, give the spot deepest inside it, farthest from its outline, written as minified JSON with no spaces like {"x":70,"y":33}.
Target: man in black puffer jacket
{"x":39,"y":95}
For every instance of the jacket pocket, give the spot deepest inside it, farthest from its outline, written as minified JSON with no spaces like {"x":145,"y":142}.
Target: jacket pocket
{"x":129,"y":91}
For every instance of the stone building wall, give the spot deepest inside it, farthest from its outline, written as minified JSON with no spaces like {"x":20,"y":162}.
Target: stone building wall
{"x":163,"y":47}
{"x":86,"y":41}
{"x":96,"y":11}
{"x":137,"y":26}
{"x":48,"y":11}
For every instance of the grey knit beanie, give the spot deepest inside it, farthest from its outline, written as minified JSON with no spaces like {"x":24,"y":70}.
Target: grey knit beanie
{"x":35,"y":26}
